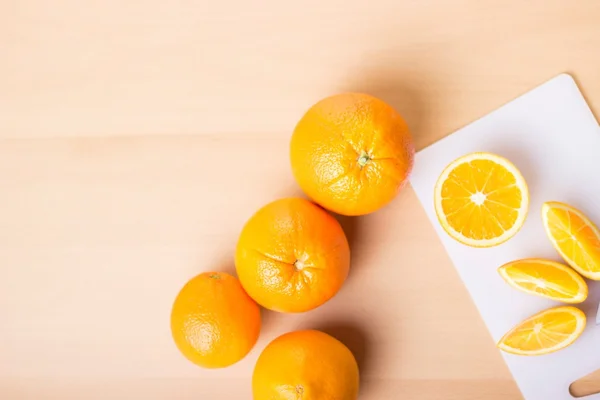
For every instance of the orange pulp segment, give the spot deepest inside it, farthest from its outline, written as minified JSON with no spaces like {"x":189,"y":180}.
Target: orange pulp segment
{"x":574,"y":236}
{"x":545,"y":278}
{"x":481,"y":199}
{"x":545,"y":332}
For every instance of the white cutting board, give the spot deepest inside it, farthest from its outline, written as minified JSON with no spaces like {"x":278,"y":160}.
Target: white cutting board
{"x":551,"y":135}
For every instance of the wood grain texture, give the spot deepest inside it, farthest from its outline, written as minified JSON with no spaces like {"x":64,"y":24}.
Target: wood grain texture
{"x":137,"y":137}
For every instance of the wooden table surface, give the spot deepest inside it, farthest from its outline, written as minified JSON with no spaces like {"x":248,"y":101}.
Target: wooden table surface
{"x":136,"y":137}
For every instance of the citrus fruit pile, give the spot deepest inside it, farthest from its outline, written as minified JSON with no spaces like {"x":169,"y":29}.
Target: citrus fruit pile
{"x":351,"y":154}
{"x":481,"y":200}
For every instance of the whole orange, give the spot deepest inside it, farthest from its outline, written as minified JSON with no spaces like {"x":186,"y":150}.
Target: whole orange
{"x":305,"y":365}
{"x":292,"y":256}
{"x":351,"y":153}
{"x":213,"y":321}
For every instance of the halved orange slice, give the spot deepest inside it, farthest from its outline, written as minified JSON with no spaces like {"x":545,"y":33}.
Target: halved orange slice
{"x":481,"y":199}
{"x":545,"y":332}
{"x":574,"y":236}
{"x":545,"y":278}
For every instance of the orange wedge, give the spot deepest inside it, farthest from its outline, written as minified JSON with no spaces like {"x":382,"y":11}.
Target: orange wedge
{"x":574,"y":236}
{"x":546,"y":332}
{"x":545,"y":278}
{"x":481,"y":199}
